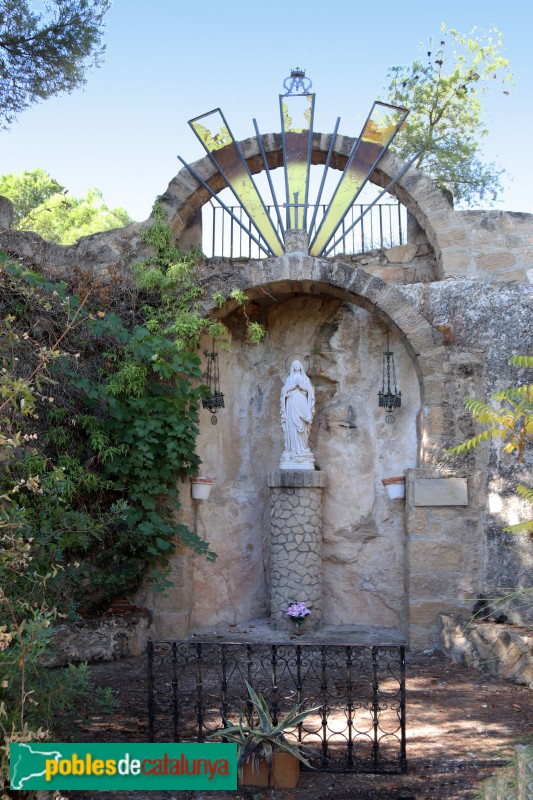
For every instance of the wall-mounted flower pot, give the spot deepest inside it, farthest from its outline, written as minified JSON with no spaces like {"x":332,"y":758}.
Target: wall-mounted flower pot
{"x":395,"y":487}
{"x":201,"y":488}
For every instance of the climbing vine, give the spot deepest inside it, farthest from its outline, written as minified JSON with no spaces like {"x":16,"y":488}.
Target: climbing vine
{"x":110,"y":426}
{"x":107,"y":435}
{"x":99,"y":399}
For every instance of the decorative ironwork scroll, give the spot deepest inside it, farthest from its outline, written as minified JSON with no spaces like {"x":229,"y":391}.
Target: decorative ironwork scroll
{"x":359,"y":727}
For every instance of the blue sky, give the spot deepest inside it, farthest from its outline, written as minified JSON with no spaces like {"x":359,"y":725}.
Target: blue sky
{"x":168,"y":61}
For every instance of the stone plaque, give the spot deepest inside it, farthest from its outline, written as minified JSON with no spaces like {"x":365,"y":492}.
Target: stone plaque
{"x":441,"y":492}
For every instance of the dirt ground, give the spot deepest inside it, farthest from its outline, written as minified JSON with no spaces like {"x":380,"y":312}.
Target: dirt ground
{"x":461,"y":726}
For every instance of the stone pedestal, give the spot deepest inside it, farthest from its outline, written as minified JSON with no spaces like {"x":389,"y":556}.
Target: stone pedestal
{"x":296,"y":545}
{"x":297,"y":241}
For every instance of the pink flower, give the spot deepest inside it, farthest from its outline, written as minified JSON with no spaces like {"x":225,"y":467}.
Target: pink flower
{"x":298,"y":611}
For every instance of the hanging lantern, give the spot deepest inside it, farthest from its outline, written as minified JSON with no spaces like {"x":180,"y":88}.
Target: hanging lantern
{"x":389,"y":396}
{"x":212,"y":378}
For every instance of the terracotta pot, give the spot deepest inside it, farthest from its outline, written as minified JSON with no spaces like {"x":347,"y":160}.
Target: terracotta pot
{"x":284,"y":775}
{"x":201,"y":488}
{"x":395,"y":487}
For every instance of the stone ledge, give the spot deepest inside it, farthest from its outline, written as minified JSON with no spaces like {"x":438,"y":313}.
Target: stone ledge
{"x":296,"y":479}
{"x":502,"y":650}
{"x":103,"y":639}
{"x":297,"y":242}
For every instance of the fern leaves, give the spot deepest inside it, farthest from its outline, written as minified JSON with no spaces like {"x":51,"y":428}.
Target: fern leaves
{"x":508,"y":417}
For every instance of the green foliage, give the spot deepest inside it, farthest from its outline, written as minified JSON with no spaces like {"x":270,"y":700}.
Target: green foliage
{"x":28,"y":191}
{"x":169,"y":283}
{"x":97,"y":486}
{"x":146,"y":407}
{"x":98,"y":423}
{"x":239,"y":296}
{"x":507,"y":419}
{"x":45,"y":54}
{"x":256,"y":332}
{"x":262,"y":738}
{"x":42,"y":205}
{"x":65,"y":219}
{"x":29,"y":695}
{"x":443,"y":89}
{"x":521,"y":361}
{"x":523,"y":527}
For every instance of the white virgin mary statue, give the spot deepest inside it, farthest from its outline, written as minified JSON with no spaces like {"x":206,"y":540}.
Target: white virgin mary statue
{"x":297,"y":405}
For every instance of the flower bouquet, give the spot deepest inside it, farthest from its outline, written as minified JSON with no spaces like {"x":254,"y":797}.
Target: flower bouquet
{"x":298,"y":612}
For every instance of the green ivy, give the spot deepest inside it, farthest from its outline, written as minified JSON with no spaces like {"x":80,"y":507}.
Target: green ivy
{"x":99,"y":489}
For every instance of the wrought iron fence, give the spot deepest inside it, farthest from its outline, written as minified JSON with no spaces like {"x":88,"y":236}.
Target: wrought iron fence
{"x":359,"y":727}
{"x":384,"y":225}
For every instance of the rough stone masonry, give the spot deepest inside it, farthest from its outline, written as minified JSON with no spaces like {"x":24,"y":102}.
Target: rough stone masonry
{"x":456,"y":301}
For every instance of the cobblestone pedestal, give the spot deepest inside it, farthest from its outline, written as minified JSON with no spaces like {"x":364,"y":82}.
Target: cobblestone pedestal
{"x":296,"y":545}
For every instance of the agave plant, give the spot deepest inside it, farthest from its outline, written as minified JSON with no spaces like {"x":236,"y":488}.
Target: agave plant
{"x":265,"y":738}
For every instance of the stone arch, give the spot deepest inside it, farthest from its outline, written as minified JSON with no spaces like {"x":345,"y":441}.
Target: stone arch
{"x":276,"y":278}
{"x":444,"y":229}
{"x":288,"y":277}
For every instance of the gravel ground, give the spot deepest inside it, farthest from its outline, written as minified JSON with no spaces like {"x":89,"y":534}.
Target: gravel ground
{"x":461,"y":727}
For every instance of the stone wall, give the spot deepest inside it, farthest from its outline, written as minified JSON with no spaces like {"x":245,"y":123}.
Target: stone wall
{"x":363,"y":532}
{"x":385,"y":564}
{"x":105,"y":253}
{"x":499,"y":649}
{"x":501,"y":243}
{"x":295,"y":544}
{"x":104,"y":639}
{"x":484,"y":324}
{"x":445,"y":554}
{"x":402,"y":264}
{"x":496,"y":246}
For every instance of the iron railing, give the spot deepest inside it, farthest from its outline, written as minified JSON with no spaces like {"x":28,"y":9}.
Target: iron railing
{"x":360,"y":691}
{"x":383,"y":226}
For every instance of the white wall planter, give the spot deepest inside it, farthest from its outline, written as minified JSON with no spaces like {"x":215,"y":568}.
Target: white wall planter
{"x":201,"y":488}
{"x":395,"y":487}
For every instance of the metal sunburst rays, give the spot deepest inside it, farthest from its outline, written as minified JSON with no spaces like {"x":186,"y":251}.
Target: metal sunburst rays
{"x":297,"y":114}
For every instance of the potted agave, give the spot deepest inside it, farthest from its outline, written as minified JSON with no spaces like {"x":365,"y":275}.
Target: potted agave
{"x":265,"y":757}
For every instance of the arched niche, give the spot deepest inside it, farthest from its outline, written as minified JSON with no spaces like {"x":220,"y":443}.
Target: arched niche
{"x":279,"y":278}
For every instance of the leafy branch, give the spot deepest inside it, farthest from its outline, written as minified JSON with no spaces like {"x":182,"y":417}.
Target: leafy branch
{"x":507,"y":419}
{"x":443,"y":88}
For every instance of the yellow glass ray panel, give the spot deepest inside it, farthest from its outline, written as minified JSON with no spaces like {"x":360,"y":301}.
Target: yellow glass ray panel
{"x":381,"y":126}
{"x":213,"y":132}
{"x":297,"y":126}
